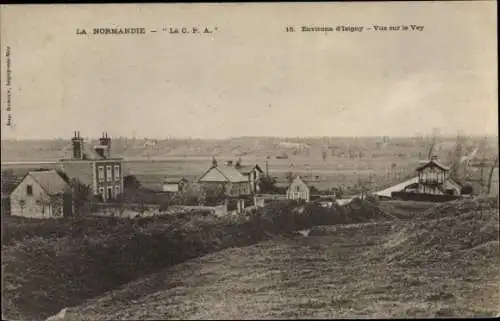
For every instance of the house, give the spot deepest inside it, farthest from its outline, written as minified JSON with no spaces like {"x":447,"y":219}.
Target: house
{"x":174,"y":184}
{"x":433,"y":178}
{"x":234,"y":184}
{"x":95,"y":167}
{"x":253,"y":174}
{"x":41,"y":194}
{"x":299,"y":190}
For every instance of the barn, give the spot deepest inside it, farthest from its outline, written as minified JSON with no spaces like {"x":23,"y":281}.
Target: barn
{"x":41,"y":194}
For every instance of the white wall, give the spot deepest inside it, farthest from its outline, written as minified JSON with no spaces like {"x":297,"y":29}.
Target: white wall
{"x":32,"y":208}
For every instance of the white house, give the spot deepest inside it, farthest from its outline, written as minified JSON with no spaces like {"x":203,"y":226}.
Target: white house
{"x":41,"y":194}
{"x":299,"y":190}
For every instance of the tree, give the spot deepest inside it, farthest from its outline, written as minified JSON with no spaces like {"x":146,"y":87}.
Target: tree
{"x":490,"y":176}
{"x":289,"y":176}
{"x":9,"y":181}
{"x":214,"y":195}
{"x":267,"y":184}
{"x":131,"y":186}
{"x":192,"y":194}
{"x":434,"y":140}
{"x":457,"y":170}
{"x":339,"y":193}
{"x":82,"y":196}
{"x":467,"y":189}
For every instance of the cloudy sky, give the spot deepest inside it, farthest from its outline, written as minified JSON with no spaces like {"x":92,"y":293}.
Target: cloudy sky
{"x":250,"y":77}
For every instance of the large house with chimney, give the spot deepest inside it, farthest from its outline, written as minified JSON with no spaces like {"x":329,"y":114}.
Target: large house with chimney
{"x":234,"y":183}
{"x":253,"y":173}
{"x":236,"y":186}
{"x":95,"y":167}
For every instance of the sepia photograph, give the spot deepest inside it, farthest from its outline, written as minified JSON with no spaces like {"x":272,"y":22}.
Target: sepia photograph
{"x":318,"y":160}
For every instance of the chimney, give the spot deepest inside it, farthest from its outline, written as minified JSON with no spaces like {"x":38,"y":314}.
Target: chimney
{"x":77,"y":144}
{"x":214,"y":162}
{"x":105,"y":145}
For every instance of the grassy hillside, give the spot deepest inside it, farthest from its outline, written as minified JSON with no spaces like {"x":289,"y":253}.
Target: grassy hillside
{"x":50,"y":264}
{"x":441,"y":265}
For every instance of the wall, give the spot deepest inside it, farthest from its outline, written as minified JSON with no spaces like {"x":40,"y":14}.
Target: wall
{"x":298,"y":190}
{"x":115,"y":183}
{"x":170,"y":187}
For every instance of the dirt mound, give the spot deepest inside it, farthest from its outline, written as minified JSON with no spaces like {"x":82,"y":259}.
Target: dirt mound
{"x":369,"y":210}
{"x":461,"y":206}
{"x":455,"y":231}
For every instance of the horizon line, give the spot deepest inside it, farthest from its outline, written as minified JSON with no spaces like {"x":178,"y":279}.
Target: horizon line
{"x":423,"y":135}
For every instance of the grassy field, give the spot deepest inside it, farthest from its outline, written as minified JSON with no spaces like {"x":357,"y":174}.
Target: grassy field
{"x":348,"y":162}
{"x":333,"y":173}
{"x":444,"y":266}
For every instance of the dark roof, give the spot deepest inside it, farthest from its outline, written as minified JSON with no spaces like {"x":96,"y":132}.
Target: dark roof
{"x":90,"y":153}
{"x":230,"y":173}
{"x":51,"y":181}
{"x":435,"y":162}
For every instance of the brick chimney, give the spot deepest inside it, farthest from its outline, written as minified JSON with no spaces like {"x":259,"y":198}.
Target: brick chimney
{"x":105,"y":145}
{"x":77,"y":144}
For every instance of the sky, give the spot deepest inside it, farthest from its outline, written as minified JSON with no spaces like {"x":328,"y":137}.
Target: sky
{"x":250,"y":77}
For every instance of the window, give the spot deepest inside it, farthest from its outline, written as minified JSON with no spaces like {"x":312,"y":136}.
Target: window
{"x":100,"y":173}
{"x":29,"y":190}
{"x":117,"y":172}
{"x":109,"y":178}
{"x":117,"y":191}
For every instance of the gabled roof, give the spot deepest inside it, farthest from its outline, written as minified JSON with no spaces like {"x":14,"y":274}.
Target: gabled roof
{"x":387,"y":192}
{"x":223,"y":174}
{"x":91,"y":153}
{"x":452,"y":184}
{"x":435,"y":162}
{"x":50,"y":181}
{"x":174,"y":180}
{"x":300,"y":180}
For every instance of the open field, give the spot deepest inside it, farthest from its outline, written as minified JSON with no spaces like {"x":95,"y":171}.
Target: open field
{"x":334,"y":172}
{"x":377,"y":162}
